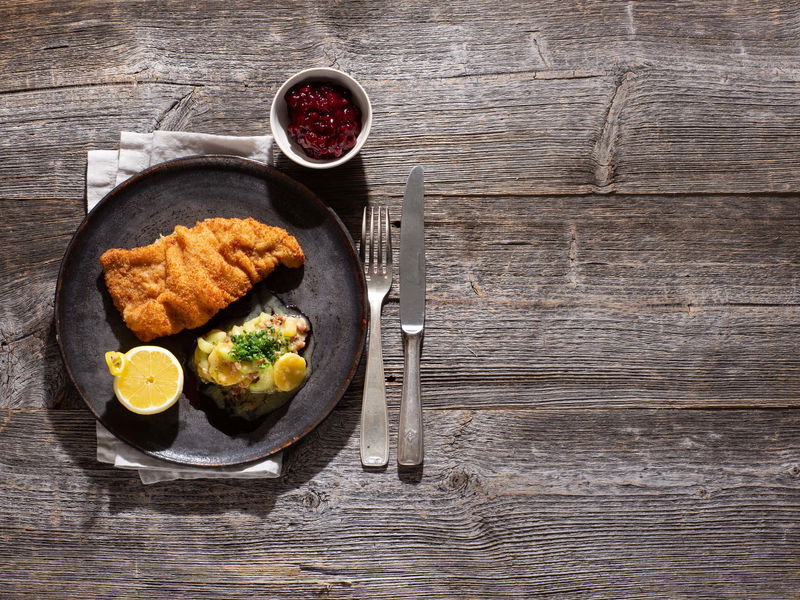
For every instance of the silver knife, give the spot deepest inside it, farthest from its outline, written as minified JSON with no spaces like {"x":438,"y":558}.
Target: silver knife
{"x":412,"y":317}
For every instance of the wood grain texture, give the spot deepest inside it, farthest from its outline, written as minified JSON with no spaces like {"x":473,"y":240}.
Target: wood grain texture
{"x":612,"y":228}
{"x":659,"y":131}
{"x":571,"y":302}
{"x":82,"y":42}
{"x":699,"y":504}
{"x":608,"y":97}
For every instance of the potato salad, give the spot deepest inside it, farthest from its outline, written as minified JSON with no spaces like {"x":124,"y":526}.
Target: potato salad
{"x":250,"y":366}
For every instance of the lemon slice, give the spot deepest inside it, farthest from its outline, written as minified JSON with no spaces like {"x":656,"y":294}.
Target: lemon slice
{"x":150,"y":379}
{"x":115,"y":362}
{"x":289,"y":371}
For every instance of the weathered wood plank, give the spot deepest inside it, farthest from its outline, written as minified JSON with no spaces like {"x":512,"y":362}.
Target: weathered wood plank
{"x":701,"y":133}
{"x":522,"y":504}
{"x":621,"y":97}
{"x":654,"y":131}
{"x":649,"y":130}
{"x":572,"y":302}
{"x":49,"y":132}
{"x":81,"y":42}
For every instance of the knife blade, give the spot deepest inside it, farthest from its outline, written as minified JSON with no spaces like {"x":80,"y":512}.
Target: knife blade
{"x":412,"y":317}
{"x":412,"y":254}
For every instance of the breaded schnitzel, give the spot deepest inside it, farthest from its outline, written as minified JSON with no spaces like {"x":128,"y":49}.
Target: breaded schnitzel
{"x":184,"y":279}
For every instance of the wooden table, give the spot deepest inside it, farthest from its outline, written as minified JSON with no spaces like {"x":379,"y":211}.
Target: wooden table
{"x":611,"y":374}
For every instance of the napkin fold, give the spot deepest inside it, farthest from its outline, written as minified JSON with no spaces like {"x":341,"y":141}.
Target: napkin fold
{"x":114,"y":451}
{"x":106,"y":169}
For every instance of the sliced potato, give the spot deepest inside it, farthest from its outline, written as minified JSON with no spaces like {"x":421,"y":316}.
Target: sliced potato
{"x":215,"y":336}
{"x":200,"y":358}
{"x":204,"y":345}
{"x":289,"y":371}
{"x":289,"y":328}
{"x":251,"y":325}
{"x":265,"y":382}
{"x":225,"y":349}
{"x":249,"y":367}
{"x":222,"y":370}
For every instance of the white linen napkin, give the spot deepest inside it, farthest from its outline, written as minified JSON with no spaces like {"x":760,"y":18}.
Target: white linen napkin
{"x":104,"y":170}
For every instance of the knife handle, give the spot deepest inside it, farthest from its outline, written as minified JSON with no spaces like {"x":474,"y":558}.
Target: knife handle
{"x":374,"y":414}
{"x":410,"y":438}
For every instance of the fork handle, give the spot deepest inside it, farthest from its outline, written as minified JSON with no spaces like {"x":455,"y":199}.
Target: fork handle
{"x":409,"y":439}
{"x":374,"y":415}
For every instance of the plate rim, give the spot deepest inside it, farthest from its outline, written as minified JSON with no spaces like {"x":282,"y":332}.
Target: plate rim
{"x":265,"y":171}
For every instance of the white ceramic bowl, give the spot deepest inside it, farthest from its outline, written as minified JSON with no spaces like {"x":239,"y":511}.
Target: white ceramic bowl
{"x":279,"y":117}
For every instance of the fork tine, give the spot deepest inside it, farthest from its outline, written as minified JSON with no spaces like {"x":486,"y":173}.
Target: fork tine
{"x":380,"y":239}
{"x":371,"y":240}
{"x":388,"y":243}
{"x":363,"y":240}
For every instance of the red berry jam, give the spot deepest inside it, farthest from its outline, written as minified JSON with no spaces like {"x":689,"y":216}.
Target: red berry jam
{"x":324,"y":119}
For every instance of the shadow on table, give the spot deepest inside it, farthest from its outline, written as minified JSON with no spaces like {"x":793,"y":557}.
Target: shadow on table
{"x":410,"y":475}
{"x":124,"y":490}
{"x":343,"y":188}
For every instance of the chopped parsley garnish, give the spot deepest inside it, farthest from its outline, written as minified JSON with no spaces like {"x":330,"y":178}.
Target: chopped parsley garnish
{"x":256,"y":346}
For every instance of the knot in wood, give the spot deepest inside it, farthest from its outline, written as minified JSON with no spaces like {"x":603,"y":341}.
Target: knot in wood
{"x":458,"y":481}
{"x":311,"y":499}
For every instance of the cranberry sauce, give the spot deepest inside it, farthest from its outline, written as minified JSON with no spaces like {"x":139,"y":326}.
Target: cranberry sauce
{"x":324,"y":119}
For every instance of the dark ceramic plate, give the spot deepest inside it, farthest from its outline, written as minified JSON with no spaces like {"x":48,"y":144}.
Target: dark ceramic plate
{"x":329,"y":289}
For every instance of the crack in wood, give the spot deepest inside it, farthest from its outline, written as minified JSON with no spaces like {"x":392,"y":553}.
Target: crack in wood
{"x":93,"y":84}
{"x":475,"y":287}
{"x":615,"y":306}
{"x":567,"y":75}
{"x":6,"y":343}
{"x":463,"y":422}
{"x":323,"y":571}
{"x":572,"y":254}
{"x":537,"y":45}
{"x":690,"y":306}
{"x":67,"y":86}
{"x":603,"y":153}
{"x":538,"y":74}
{"x":334,"y":61}
{"x":514,"y":243}
{"x":177,"y":114}
{"x":675,"y":405}
{"x":583,"y":191}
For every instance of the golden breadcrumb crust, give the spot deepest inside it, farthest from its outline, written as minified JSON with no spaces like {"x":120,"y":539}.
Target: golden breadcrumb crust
{"x":184,"y":279}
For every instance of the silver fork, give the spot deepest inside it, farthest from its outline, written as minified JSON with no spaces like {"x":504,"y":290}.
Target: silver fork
{"x":376,"y":256}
